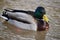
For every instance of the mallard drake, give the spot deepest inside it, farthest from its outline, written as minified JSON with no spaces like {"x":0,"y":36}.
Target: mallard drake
{"x":27,"y":19}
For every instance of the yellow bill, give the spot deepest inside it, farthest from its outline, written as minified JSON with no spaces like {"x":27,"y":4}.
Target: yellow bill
{"x":45,"y":18}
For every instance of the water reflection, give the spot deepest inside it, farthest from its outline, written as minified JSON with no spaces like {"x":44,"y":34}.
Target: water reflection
{"x":10,"y":32}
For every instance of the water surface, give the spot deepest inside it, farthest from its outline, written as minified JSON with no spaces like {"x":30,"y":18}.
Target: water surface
{"x":10,"y":32}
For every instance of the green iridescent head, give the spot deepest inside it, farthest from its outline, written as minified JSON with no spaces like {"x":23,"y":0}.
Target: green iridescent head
{"x":39,"y":12}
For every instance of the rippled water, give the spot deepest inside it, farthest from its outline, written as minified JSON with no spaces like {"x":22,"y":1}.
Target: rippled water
{"x":10,"y":32}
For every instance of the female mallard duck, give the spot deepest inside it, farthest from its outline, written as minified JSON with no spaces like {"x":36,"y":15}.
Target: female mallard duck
{"x":27,"y":19}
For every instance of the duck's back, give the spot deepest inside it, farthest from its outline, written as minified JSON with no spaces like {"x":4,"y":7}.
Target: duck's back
{"x":16,"y":19}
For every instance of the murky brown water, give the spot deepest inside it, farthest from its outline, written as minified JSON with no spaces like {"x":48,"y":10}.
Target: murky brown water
{"x":10,"y":32}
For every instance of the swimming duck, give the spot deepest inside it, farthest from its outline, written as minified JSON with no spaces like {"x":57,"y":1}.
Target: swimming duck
{"x":27,"y":19}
